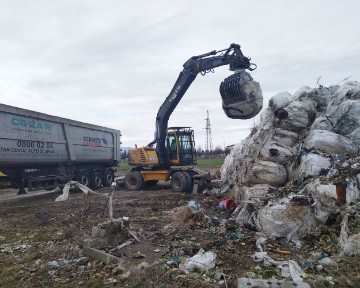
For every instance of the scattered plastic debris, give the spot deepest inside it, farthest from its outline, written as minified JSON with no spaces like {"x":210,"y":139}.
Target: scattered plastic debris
{"x":202,"y":260}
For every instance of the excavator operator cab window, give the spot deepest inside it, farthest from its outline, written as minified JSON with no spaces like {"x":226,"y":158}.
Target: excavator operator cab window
{"x":171,"y":146}
{"x":171,"y":143}
{"x":186,"y":148}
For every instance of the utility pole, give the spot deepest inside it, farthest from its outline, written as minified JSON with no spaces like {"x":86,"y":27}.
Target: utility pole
{"x":208,"y":144}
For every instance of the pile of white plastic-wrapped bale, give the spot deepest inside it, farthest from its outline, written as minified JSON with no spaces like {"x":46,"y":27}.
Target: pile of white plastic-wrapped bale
{"x":300,"y":164}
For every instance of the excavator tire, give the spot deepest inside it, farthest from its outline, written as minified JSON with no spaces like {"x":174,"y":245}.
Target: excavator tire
{"x":188,"y":182}
{"x":179,"y":182}
{"x":134,"y":181}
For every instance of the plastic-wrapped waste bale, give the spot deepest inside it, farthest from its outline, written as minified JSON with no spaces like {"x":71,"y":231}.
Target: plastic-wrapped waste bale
{"x":246,"y":193}
{"x":244,"y":213}
{"x":248,"y":105}
{"x":315,"y":98}
{"x":247,"y":149}
{"x":345,"y":118}
{"x":355,"y":136}
{"x":280,"y":100}
{"x":277,"y":153}
{"x":321,"y":123}
{"x":325,"y":200}
{"x":312,"y":165}
{"x":295,"y":116}
{"x":251,"y":199}
{"x":262,"y":172}
{"x":303,"y":94}
{"x":350,"y":90}
{"x":266,"y":119}
{"x":330,"y":142}
{"x":323,"y":95}
{"x":285,"y":137}
{"x":283,"y":219}
{"x":228,"y":170}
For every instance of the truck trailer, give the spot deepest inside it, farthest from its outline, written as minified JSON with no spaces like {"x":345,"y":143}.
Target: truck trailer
{"x":40,"y":148}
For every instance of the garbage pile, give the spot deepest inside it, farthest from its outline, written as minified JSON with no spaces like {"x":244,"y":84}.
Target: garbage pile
{"x":300,"y":164}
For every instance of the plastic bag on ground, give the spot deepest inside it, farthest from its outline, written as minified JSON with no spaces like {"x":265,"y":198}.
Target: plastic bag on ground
{"x":202,"y":260}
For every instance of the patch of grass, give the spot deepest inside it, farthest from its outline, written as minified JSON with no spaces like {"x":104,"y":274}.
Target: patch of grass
{"x":210,"y":162}
{"x":123,"y":165}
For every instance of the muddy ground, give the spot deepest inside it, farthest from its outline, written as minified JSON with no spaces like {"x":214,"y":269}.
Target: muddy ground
{"x":41,"y":243}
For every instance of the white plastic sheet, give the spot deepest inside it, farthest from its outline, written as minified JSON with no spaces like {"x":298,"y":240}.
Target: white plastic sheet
{"x":202,"y":260}
{"x":288,"y":268}
{"x":66,"y":190}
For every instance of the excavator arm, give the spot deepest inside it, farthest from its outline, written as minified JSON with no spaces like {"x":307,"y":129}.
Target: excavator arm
{"x":203,"y":64}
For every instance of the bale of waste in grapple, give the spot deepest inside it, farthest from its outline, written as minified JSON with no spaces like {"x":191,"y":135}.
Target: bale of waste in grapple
{"x":313,"y":133}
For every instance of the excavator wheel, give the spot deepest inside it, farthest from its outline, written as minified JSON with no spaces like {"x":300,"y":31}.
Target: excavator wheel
{"x":134,"y":181}
{"x":188,"y":181}
{"x":179,"y":182}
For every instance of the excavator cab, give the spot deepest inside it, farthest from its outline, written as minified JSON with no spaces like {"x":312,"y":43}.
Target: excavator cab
{"x":180,"y":146}
{"x":179,"y":150}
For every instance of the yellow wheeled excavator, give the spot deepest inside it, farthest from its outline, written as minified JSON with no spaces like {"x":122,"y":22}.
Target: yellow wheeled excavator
{"x":172,"y":154}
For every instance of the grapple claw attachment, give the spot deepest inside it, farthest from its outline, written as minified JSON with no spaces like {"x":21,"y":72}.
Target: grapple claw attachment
{"x":241,"y":96}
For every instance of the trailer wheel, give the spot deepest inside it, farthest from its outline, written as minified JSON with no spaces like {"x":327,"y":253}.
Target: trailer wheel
{"x":179,"y":182}
{"x":108,"y":177}
{"x":96,"y":180}
{"x":84,"y":178}
{"x":134,"y":181}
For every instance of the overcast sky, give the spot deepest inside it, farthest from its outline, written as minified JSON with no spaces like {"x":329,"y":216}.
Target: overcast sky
{"x":113,"y":62}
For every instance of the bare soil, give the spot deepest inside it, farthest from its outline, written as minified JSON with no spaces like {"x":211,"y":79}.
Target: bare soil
{"x":41,"y":242}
